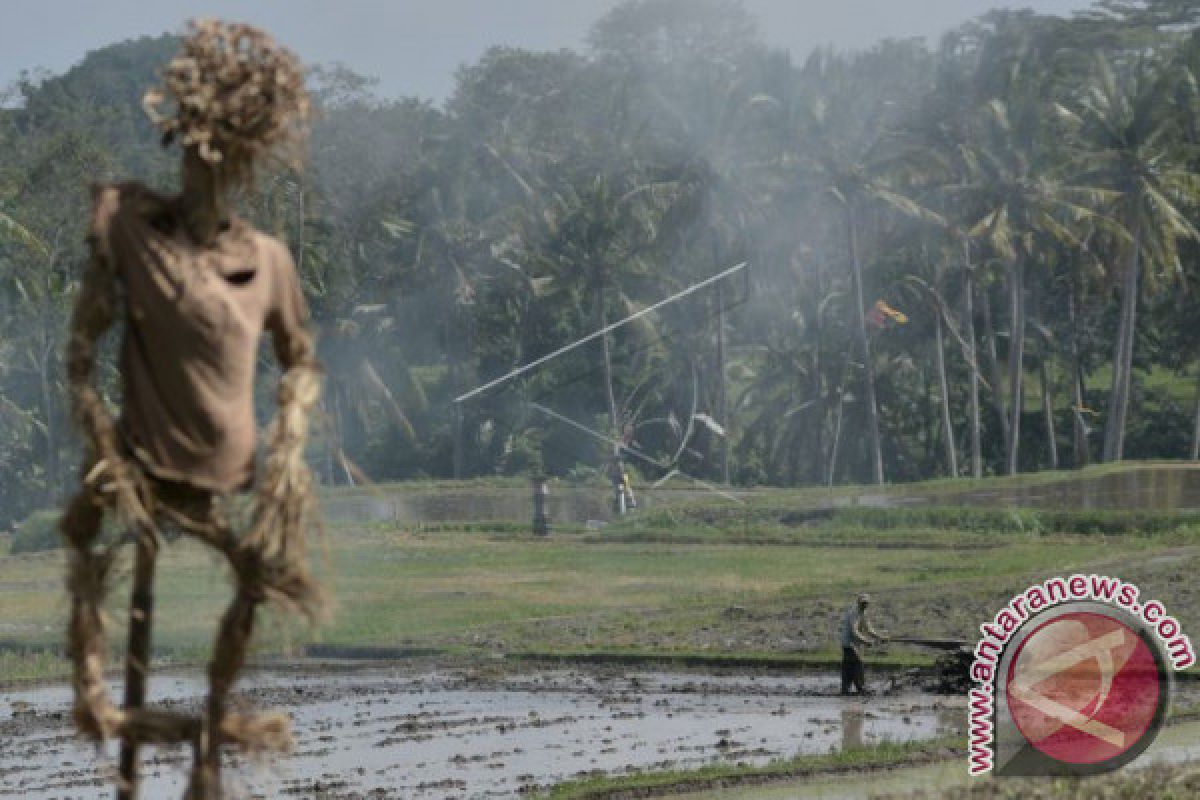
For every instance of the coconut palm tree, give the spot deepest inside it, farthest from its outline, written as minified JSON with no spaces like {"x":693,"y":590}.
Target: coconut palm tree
{"x":1125,"y":131}
{"x":843,"y":153}
{"x":1017,"y":202}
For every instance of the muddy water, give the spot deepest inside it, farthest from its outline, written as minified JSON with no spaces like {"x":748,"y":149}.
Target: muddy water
{"x":453,"y":734}
{"x":1138,"y":489}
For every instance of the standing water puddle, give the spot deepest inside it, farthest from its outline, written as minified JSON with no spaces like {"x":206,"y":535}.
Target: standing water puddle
{"x":451,"y":734}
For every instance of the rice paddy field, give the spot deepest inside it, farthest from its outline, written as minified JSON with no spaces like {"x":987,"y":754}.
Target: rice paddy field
{"x":687,"y":649}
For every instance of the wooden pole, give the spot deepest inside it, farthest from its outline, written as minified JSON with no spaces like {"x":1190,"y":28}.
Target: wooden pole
{"x":722,"y":403}
{"x":137,"y":661}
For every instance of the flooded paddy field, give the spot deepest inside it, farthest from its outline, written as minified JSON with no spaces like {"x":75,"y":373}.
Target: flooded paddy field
{"x":466,"y":595}
{"x":386,"y":733}
{"x":1149,"y":488}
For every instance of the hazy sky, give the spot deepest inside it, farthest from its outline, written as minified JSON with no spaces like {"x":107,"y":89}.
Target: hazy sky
{"x":414,"y":46}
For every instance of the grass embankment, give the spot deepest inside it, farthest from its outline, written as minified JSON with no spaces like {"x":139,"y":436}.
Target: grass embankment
{"x":1160,"y":782}
{"x":659,"y":784}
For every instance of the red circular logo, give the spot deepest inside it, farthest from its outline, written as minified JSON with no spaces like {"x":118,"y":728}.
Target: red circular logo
{"x":1083,"y":688}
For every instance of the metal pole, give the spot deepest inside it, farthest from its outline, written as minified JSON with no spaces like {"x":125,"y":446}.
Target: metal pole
{"x":596,"y":334}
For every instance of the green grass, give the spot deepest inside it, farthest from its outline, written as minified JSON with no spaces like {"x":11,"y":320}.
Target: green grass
{"x":665,"y":782}
{"x":19,"y":667}
{"x":1160,"y":384}
{"x":699,"y":580}
{"x":475,"y":592}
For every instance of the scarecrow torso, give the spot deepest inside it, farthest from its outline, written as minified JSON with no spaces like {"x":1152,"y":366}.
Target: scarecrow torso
{"x":194,"y":317}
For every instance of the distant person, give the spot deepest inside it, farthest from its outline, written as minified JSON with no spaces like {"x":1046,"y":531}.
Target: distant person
{"x":622,"y":492}
{"x":623,"y":497}
{"x":857,"y":631}
{"x":623,"y":452}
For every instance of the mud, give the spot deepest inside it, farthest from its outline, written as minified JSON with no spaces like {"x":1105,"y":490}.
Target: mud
{"x":387,"y":733}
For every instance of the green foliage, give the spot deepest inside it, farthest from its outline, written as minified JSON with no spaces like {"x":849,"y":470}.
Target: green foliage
{"x":38,"y":532}
{"x":559,"y":191}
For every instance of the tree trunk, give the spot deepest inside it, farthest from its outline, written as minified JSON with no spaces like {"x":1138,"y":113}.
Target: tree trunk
{"x":602,"y":319}
{"x":864,"y":345}
{"x":837,"y":440}
{"x":1016,"y":359}
{"x":944,"y":389}
{"x":818,"y":395}
{"x":339,"y":428}
{"x":461,"y":375}
{"x":1048,"y":405}
{"x":459,"y":451}
{"x":973,"y":355}
{"x":327,"y":413}
{"x":1122,"y":369}
{"x":1195,"y":454}
{"x":50,"y":431}
{"x":1082,"y":451}
{"x":722,"y":403}
{"x":837,"y":424}
{"x":997,"y":394}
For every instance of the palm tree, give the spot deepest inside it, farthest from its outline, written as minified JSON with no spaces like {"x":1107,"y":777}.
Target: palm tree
{"x":1125,"y":134}
{"x":849,"y":160}
{"x":1016,"y":204}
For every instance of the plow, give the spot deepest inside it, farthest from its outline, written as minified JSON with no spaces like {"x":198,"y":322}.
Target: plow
{"x":951,"y":669}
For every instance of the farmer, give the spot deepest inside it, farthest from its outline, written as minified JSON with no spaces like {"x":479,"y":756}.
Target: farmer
{"x":856,"y":631}
{"x":194,"y":288}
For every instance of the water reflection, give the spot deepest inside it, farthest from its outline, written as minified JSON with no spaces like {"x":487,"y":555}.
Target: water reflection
{"x":852,"y":728}
{"x":1139,"y":489}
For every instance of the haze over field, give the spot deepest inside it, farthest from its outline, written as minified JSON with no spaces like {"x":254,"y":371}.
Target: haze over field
{"x":941,"y":279}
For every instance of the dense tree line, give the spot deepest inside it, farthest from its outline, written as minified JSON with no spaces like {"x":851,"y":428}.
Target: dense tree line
{"x":966,"y":259}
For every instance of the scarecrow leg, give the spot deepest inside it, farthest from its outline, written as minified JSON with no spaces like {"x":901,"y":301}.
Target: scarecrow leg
{"x":137,"y":662}
{"x":229,"y":655}
{"x":85,"y":632}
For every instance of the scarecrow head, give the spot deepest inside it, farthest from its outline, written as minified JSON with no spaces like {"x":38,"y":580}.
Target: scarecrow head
{"x":232,"y":96}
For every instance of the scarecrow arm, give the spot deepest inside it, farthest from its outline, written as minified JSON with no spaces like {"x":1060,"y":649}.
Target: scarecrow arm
{"x":92,"y":316}
{"x":94,"y":313}
{"x":285,"y":494}
{"x":287,"y":322}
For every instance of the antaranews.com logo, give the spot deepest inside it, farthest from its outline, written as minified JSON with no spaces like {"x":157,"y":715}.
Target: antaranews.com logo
{"x":1072,"y":677}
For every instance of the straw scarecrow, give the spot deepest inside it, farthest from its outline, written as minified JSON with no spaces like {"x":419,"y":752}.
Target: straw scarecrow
{"x":195,"y":288}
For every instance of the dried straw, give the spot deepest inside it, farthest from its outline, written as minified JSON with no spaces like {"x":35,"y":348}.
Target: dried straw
{"x":235,"y":95}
